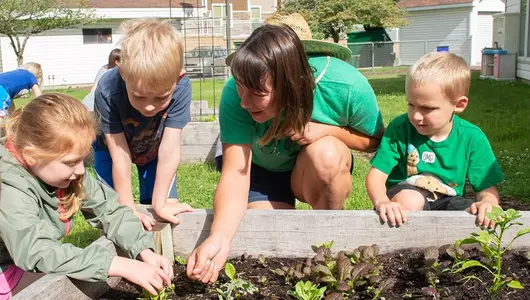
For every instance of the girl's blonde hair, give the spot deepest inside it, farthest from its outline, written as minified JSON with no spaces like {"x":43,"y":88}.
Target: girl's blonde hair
{"x":55,"y":124}
{"x":35,"y":69}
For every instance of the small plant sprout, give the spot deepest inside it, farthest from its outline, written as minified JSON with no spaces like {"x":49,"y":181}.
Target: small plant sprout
{"x":180,"y":260}
{"x":491,"y":244}
{"x":262,"y":261}
{"x":162,"y":295}
{"x":307,"y":291}
{"x":235,"y":287}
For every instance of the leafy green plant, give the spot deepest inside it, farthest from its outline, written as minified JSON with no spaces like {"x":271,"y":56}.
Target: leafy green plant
{"x":235,"y":287}
{"x":180,"y":260}
{"x":288,"y":273}
{"x":491,"y":245}
{"x":262,"y":261}
{"x":162,"y":295}
{"x":307,"y":291}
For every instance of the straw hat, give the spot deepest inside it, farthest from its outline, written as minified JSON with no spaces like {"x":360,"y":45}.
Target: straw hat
{"x":311,"y":46}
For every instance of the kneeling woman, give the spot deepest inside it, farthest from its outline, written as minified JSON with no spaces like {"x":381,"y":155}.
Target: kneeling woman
{"x":289,"y":118}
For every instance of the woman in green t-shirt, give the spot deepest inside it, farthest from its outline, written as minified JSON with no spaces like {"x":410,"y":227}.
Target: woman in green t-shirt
{"x":288,"y":117}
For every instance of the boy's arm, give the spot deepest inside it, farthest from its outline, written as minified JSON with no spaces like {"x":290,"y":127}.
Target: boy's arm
{"x":376,"y":188}
{"x":121,"y":167}
{"x":168,"y":162}
{"x":169,"y":152}
{"x":36,"y":90}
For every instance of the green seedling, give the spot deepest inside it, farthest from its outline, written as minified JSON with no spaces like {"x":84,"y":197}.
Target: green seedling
{"x":307,"y":291}
{"x":235,"y":287}
{"x":491,"y":244}
{"x":162,"y":295}
{"x":180,"y":260}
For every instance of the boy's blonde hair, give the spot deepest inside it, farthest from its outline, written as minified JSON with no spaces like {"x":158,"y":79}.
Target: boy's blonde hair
{"x":35,"y":69}
{"x":153,"y":52}
{"x":449,"y":71}
{"x":55,"y":124}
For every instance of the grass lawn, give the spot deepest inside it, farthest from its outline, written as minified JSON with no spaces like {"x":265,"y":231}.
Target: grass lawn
{"x":501,"y":109}
{"x":205,"y":89}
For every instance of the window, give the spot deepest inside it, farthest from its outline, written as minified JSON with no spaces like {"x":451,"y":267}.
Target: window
{"x":255,"y":16}
{"x":219,"y":15}
{"x":97,"y":36}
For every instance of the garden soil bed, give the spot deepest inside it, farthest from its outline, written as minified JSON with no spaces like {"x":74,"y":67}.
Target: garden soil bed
{"x":405,"y":267}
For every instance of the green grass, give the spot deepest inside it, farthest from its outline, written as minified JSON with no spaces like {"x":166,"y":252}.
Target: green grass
{"x":501,"y":109}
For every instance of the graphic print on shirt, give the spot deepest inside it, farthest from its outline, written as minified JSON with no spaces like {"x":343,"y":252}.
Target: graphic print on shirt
{"x":413,"y":158}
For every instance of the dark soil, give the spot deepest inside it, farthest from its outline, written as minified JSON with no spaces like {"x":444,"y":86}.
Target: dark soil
{"x":403,"y":266}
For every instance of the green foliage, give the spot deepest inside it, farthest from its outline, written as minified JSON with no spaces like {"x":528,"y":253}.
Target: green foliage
{"x":335,"y":18}
{"x":162,"y":295}
{"x":180,"y":260}
{"x":307,"y":291}
{"x":235,"y":287}
{"x":490,"y":242}
{"x":21,"y":19}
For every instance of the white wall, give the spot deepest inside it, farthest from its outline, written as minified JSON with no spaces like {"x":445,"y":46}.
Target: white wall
{"x":523,"y":68}
{"x":513,"y":6}
{"x":63,"y":54}
{"x":490,"y":5}
{"x":481,"y":26}
{"x":441,"y":27}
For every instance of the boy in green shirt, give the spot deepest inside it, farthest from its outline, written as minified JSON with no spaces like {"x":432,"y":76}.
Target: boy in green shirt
{"x":426,"y":155}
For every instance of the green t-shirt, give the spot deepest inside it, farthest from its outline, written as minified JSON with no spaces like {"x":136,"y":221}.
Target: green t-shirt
{"x":343,"y":97}
{"x":407,"y":156}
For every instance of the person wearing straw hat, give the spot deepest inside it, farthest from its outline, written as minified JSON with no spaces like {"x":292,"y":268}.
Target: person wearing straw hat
{"x":289,"y":118}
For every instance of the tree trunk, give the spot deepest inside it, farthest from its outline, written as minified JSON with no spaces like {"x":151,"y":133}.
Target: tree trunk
{"x":20,"y":58}
{"x":334,"y":34}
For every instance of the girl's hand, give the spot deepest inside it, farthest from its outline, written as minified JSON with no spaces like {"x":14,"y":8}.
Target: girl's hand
{"x":147,"y":221}
{"x":158,"y":261}
{"x":143,"y":274}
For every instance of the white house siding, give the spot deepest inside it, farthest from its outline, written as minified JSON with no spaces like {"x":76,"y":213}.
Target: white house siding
{"x":523,"y":63}
{"x":428,"y":29}
{"x":62,"y":54}
{"x":481,"y":26}
{"x":523,"y":68}
{"x":490,"y":5}
{"x":513,"y":6}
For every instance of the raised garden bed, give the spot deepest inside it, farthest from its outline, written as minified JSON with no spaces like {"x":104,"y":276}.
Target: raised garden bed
{"x":284,"y":238}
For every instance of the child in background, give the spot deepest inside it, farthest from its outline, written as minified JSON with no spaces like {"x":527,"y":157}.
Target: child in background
{"x":44,"y":185}
{"x":14,"y":83}
{"x":426,"y":155}
{"x":143,"y":104}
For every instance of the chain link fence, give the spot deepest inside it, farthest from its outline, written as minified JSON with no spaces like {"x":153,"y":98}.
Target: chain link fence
{"x":374,"y":55}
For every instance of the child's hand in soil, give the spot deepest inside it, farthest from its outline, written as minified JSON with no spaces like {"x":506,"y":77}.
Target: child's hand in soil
{"x":158,"y":261}
{"x":172,"y":208}
{"x":391,"y":212}
{"x":208,"y":259}
{"x":143,"y":274}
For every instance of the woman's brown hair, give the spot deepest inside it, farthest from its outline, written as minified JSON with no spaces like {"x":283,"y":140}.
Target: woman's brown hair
{"x":55,"y":124}
{"x":277,"y":53}
{"x":114,"y":58}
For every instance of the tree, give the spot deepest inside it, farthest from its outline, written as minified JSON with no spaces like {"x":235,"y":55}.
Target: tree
{"x":334,"y":18}
{"x":21,"y":19}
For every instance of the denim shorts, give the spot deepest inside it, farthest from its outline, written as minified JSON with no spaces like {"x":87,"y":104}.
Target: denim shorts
{"x":267,"y":185}
{"x":443,"y":203}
